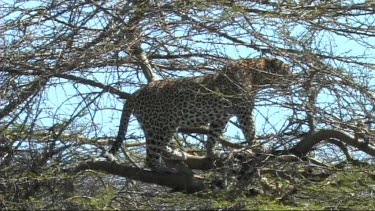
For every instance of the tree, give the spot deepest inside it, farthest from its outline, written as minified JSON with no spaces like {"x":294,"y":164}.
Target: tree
{"x":67,"y":66}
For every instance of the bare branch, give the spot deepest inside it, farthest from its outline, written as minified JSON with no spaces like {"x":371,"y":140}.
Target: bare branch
{"x":310,"y":140}
{"x":34,"y":88}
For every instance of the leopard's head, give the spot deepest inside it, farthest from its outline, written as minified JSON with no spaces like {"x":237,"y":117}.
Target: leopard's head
{"x":259,"y":72}
{"x":273,"y":72}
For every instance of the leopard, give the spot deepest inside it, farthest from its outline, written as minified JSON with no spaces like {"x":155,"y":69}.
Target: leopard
{"x":162,"y":107}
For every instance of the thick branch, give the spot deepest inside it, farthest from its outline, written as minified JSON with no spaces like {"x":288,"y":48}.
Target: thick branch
{"x":310,"y":140}
{"x":134,"y":34}
{"x":176,"y":181}
{"x":145,"y":64}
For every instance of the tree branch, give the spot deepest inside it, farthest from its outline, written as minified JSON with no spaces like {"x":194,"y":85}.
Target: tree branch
{"x":107,"y":88}
{"x":176,"y":181}
{"x":35,"y":87}
{"x":310,"y":140}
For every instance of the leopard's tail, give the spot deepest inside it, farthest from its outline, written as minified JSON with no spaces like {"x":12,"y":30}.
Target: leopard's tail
{"x":123,"y":127}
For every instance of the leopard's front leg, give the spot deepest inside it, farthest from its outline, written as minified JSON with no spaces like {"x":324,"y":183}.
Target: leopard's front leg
{"x":246,"y":120}
{"x":215,"y":131}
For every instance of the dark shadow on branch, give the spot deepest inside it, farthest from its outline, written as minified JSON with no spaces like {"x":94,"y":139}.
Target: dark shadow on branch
{"x":176,"y":181}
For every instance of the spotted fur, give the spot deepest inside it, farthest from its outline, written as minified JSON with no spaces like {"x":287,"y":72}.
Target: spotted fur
{"x":162,"y":107}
